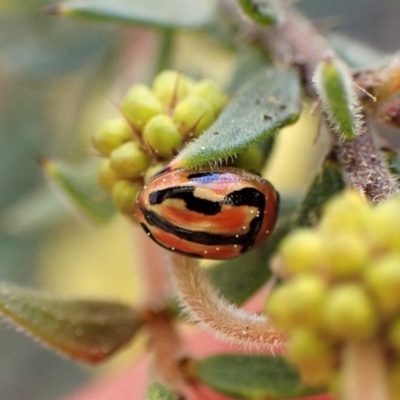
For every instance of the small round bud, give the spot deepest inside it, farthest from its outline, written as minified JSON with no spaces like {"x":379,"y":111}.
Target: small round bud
{"x":251,"y":160}
{"x":193,"y":115}
{"x":315,"y":358}
{"x":383,"y":280}
{"x":385,"y":225}
{"x":112,"y":134}
{"x":153,"y":170}
{"x":124,"y":196}
{"x":347,"y":212}
{"x":301,"y":251}
{"x":297,"y":303}
{"x":106,"y":176}
{"x":348,"y":313}
{"x":209,"y":90}
{"x":129,"y":161}
{"x":139,"y":105}
{"x":161,"y":134}
{"x":171,"y":87}
{"x":346,"y":255}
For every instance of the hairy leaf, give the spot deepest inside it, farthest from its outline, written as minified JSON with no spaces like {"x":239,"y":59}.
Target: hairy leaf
{"x":268,"y":101}
{"x":78,"y":186}
{"x":252,"y":377}
{"x":179,"y":14}
{"x":85,"y":330}
{"x":338,"y":96}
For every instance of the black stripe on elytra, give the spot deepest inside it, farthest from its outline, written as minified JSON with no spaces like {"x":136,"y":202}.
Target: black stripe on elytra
{"x":185,"y":193}
{"x":246,"y":196}
{"x":148,"y":233}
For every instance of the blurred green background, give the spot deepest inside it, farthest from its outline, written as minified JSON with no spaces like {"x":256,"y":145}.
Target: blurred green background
{"x":55,"y":78}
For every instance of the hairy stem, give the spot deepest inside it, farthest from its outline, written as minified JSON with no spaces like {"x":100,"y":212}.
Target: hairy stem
{"x":295,"y":40}
{"x":207,"y":307}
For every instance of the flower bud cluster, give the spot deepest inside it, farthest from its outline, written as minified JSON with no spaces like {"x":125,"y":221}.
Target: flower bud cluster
{"x":341,"y":285}
{"x":155,"y":123}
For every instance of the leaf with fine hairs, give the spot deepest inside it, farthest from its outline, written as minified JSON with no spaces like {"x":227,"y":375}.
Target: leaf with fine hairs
{"x":85,"y":330}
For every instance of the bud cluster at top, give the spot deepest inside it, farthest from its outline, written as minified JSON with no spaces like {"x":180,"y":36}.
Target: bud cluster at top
{"x":155,"y":123}
{"x":341,"y":285}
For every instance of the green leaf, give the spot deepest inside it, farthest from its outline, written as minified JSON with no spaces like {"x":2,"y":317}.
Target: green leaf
{"x":156,"y":391}
{"x":326,"y":184}
{"x":261,"y":11}
{"x":252,"y":377}
{"x":269,"y":101}
{"x":85,"y":330}
{"x":336,"y":90}
{"x":238,"y":279}
{"x":179,"y":14}
{"x":78,"y":186}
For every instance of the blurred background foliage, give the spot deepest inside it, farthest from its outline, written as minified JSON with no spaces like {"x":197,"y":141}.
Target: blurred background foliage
{"x":58,"y":80}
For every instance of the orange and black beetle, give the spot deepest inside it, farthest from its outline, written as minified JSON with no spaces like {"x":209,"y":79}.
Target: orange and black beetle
{"x":216,"y":214}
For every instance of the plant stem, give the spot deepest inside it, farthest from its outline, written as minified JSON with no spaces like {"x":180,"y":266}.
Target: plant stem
{"x":166,"y":47}
{"x":295,"y":41}
{"x":364,"y":373}
{"x":212,"y":311}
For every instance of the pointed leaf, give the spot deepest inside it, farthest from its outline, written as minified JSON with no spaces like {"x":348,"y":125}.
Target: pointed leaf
{"x":156,"y":391}
{"x":338,"y":96}
{"x":78,"y":186}
{"x":270,"y":100}
{"x":84,"y":330}
{"x":180,"y":14}
{"x":252,"y":377}
{"x":261,"y":11}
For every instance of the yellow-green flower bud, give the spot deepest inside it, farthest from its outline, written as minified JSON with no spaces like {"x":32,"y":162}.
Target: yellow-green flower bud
{"x":106,"y":176}
{"x":345,"y":255}
{"x":313,"y":355}
{"x":209,"y":90}
{"x":385,"y":225}
{"x":347,"y":212}
{"x":301,"y":251}
{"x":348,"y":313}
{"x":298,"y":302}
{"x":161,"y":135}
{"x":129,"y":160}
{"x":139,"y":105}
{"x":383,"y":280}
{"x":112,"y":134}
{"x":124,"y":196}
{"x":193,"y":115}
{"x":153,"y":170}
{"x":171,"y":87}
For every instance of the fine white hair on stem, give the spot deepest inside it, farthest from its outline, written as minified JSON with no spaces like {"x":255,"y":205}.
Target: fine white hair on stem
{"x":207,"y":307}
